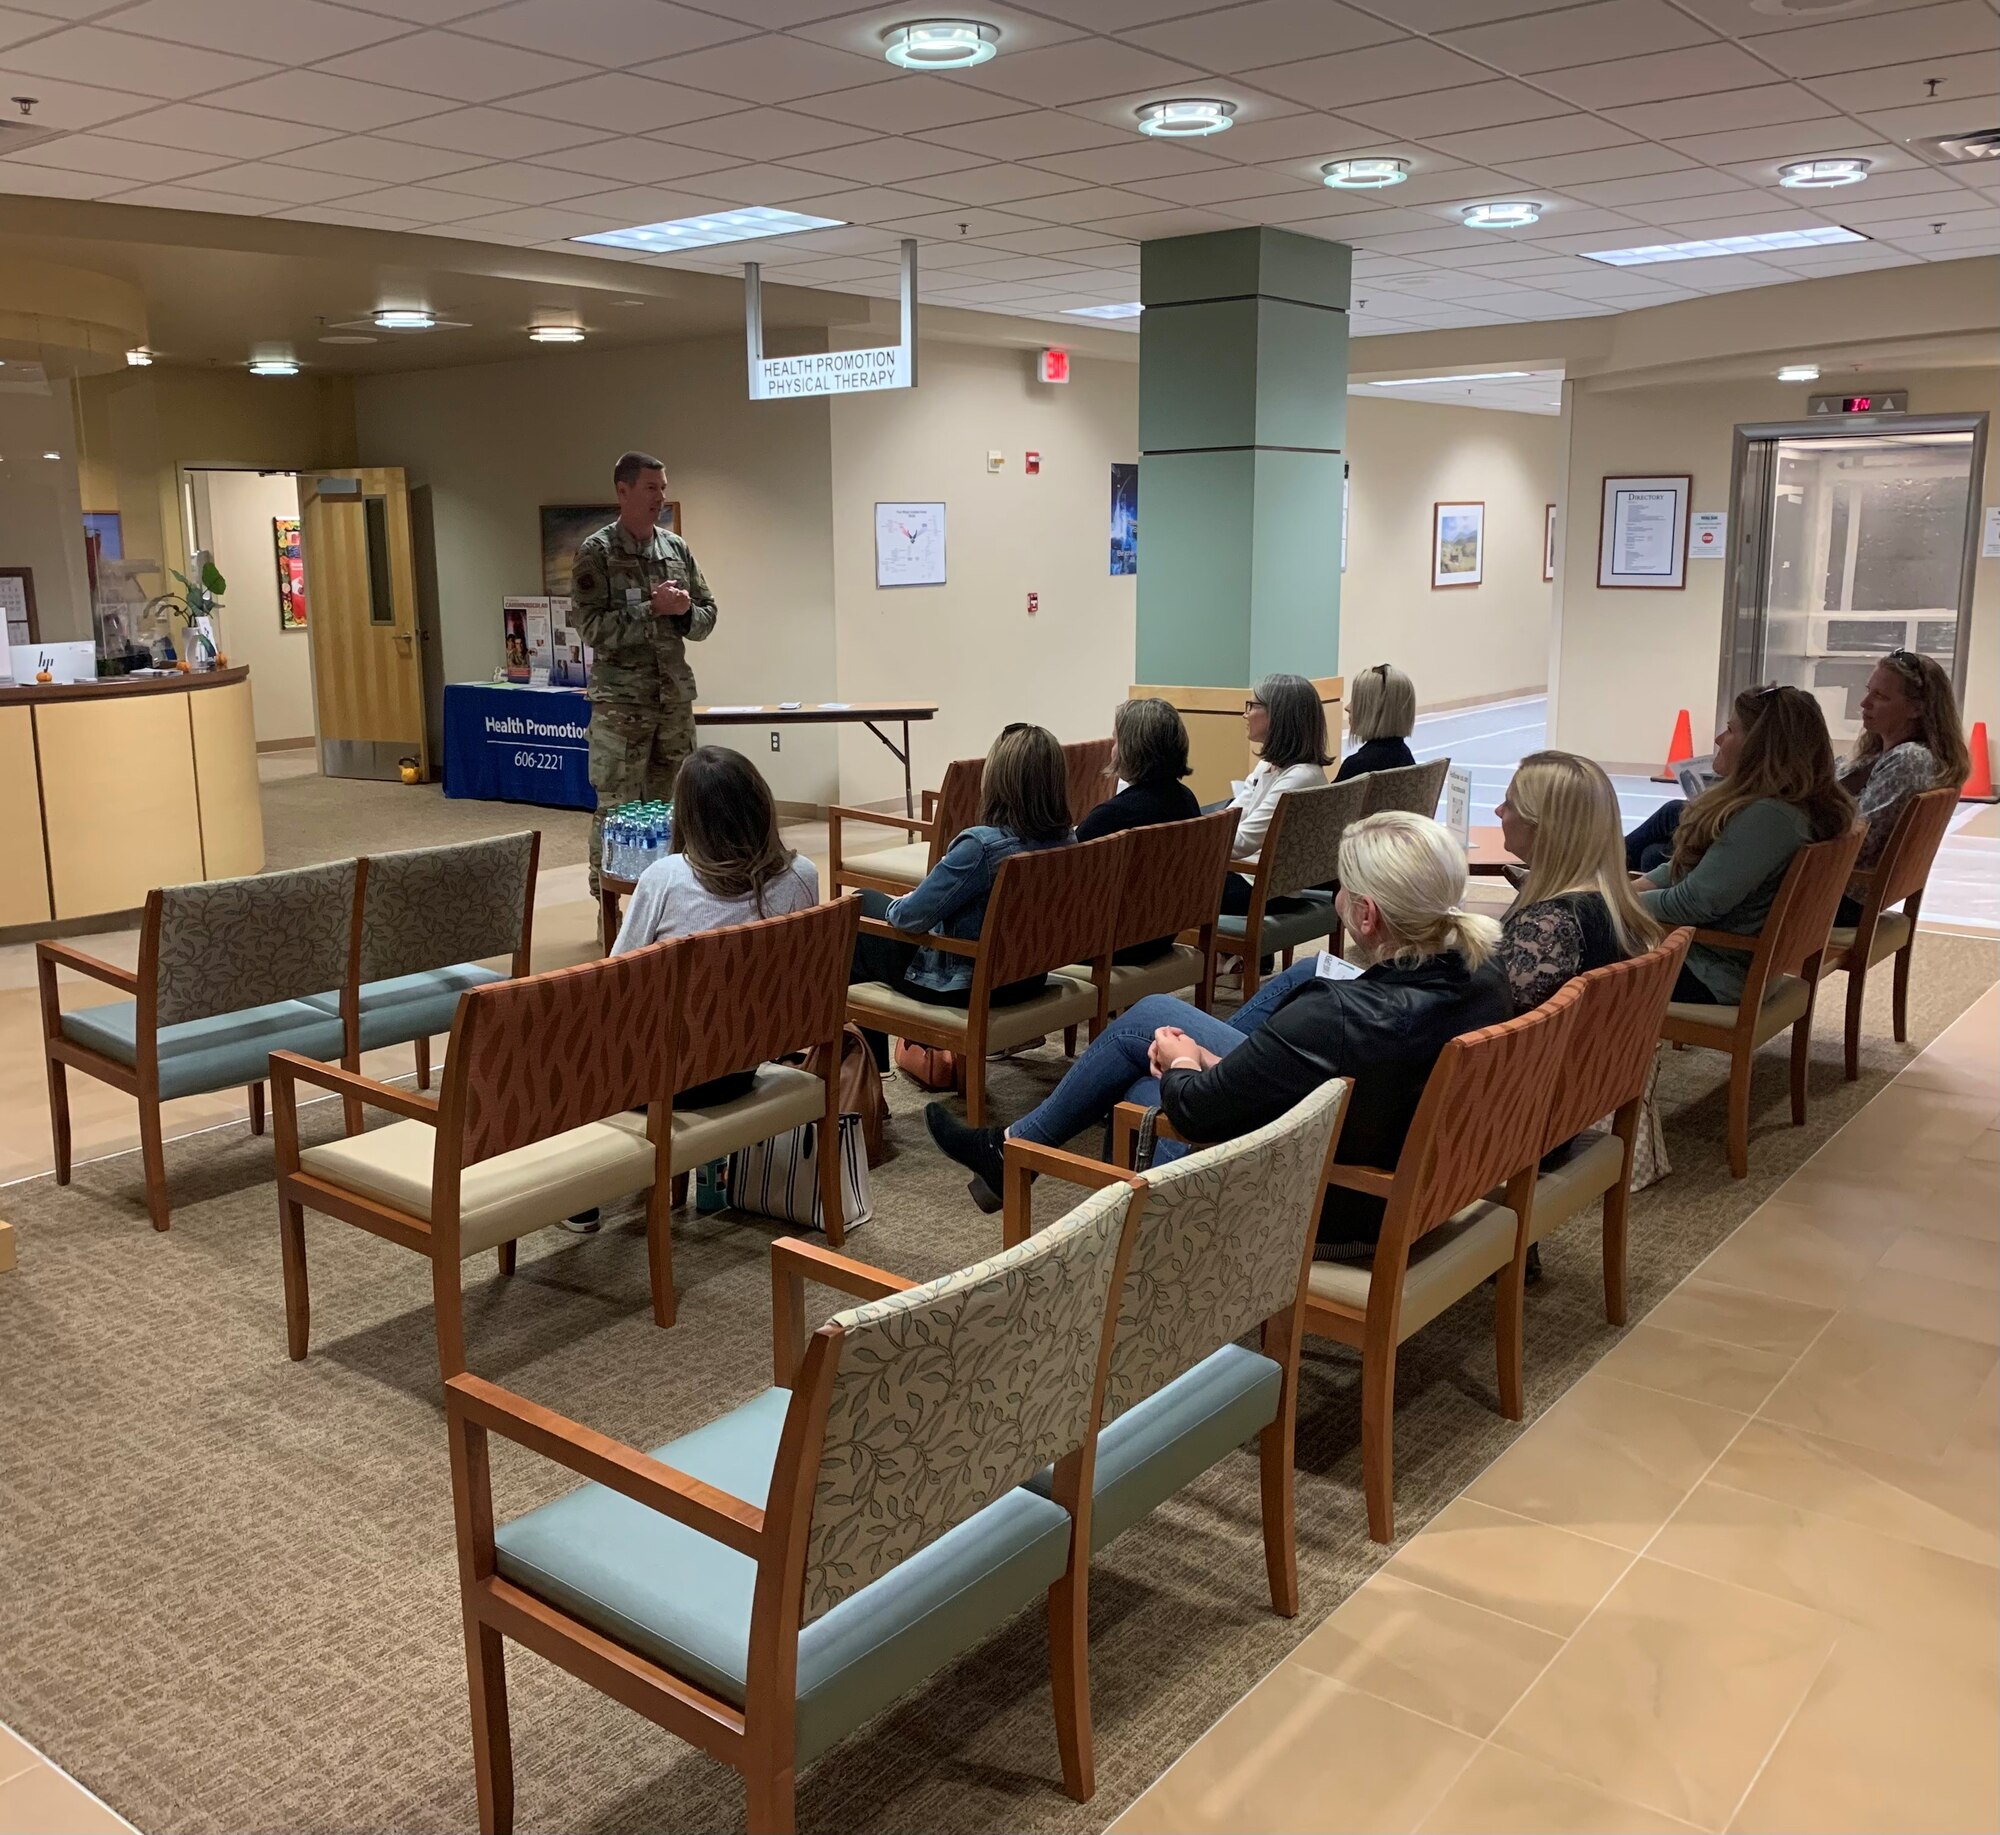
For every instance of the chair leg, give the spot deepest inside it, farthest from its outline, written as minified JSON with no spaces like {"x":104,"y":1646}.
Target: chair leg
{"x":770,"y":1806}
{"x":152,"y":1153}
{"x":1739,"y":1114}
{"x":448,"y":1302}
{"x":1615,"y":1202}
{"x":1901,"y":990}
{"x":1378,"y":1413}
{"x":680,"y":1189}
{"x":298,"y":1299}
{"x":1069,"y":1039}
{"x":1069,"y":1674}
{"x":492,"y":1744}
{"x":1509,"y":1306}
{"x":1252,"y":978}
{"x":1801,"y":1067}
{"x":1288,"y":958}
{"x":660,"y":1256}
{"x":59,"y":1116}
{"x":423,"y":1048}
{"x":256,"y":1108}
{"x":1857,"y":982}
{"x":831,"y":1221}
{"x":504,"y":1253}
{"x":1281,"y":1551}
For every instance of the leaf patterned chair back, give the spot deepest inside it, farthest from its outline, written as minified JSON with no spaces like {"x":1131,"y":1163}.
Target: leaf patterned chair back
{"x":435,"y":907}
{"x":1306,"y":831}
{"x":1087,"y":773}
{"x":1414,"y":788}
{"x":228,"y":944}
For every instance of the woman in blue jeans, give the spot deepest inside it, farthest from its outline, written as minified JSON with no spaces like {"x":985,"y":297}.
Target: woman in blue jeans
{"x":1428,"y":980}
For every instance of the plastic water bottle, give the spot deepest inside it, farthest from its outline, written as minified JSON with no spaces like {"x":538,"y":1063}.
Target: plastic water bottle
{"x":617,"y":845}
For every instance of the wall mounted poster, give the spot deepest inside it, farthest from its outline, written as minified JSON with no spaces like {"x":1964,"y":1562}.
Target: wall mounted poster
{"x":1458,"y":544}
{"x":1548,"y":541}
{"x":291,"y":574}
{"x":564,"y":525}
{"x":1643,"y":535}
{"x":909,"y":544}
{"x":1124,"y":519}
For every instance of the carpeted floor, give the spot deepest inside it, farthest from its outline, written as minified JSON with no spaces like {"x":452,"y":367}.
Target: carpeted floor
{"x":227,"y":1582}
{"x":309,"y":818}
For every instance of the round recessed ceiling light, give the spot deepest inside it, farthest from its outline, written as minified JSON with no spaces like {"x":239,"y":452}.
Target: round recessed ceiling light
{"x":1514,"y":215}
{"x":405,"y":318}
{"x":52,"y":455}
{"x":940,"y":44}
{"x":555,"y":334}
{"x":1185,"y":119}
{"x":139,"y":358}
{"x":1809,"y":9}
{"x":1364,"y":174}
{"x":349,"y":337}
{"x":1799,"y":372}
{"x":274,"y":366}
{"x":1822,"y":174}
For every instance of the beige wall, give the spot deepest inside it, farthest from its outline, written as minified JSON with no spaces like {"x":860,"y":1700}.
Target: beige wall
{"x":970,"y":644}
{"x":1628,"y":661}
{"x":41,"y":510}
{"x":494,"y":442}
{"x":1460,"y":642}
{"x":234,"y":511}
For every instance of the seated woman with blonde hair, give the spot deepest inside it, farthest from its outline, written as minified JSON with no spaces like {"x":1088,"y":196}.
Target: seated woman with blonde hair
{"x":1382,"y":714}
{"x":1430,"y":976}
{"x":1912,"y":740}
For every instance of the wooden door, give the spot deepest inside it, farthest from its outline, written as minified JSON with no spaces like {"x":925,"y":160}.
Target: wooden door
{"x":367,"y":650}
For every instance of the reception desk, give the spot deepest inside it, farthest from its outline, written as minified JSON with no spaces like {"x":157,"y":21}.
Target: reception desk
{"x":110,"y":788}
{"x":1219,"y":750}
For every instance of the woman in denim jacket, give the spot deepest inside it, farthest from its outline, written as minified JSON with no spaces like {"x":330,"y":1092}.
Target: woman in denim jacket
{"x":1024,"y":807}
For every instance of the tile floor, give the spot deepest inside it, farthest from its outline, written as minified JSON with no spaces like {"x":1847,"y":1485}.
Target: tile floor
{"x":1744,"y":1576}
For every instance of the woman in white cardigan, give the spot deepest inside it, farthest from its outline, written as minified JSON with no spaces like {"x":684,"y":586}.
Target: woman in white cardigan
{"x":1287,"y":724}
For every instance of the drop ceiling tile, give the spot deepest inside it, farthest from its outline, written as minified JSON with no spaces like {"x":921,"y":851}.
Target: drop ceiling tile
{"x":1456,"y":15}
{"x":1920,"y":224}
{"x":1120,"y":15}
{"x":69,"y":105}
{"x":145,"y":66}
{"x":1238,"y":38}
{"x":1658,"y":188}
{"x":945,"y":257}
{"x":1225,"y":186}
{"x":1746,"y":19}
{"x":65,"y":9}
{"x":1300,"y":137}
{"x":766,"y":184}
{"x":629,"y":161}
{"x":1029,"y":134}
{"x":328,"y":101}
{"x":764,"y":133}
{"x":1412,"y":241}
{"x":614,"y":33}
{"x":1083,"y":70}
{"x":1559,"y":134}
{"x":493,"y":133}
{"x":850,"y":239}
{"x":515,"y":182}
{"x":917,"y":106}
{"x":1407,"y":67}
{"x":1785,"y":140}
{"x":1460,"y":110}
{"x":421,"y":204}
{"x":282,"y":184}
{"x":648,"y":204}
{"x":17,"y":180}
{"x":1666,"y":75}
{"x":1921,"y":119}
{"x":1763,"y":105}
{"x":776,"y":68}
{"x":544,"y":224}
{"x":1953,"y":245}
{"x":1071,"y":243}
{"x":993,"y":184}
{"x":1905,"y":85}
{"x":947,"y":224}
{"x":1139,"y":158}
{"x":1018,"y":267}
{"x":1154,"y":224}
{"x":867,"y":204}
{"x":616,"y":101}
{"x":15,"y":27}
{"x":1636,"y":161}
{"x":179,"y":197}
{"x":301,"y":31}
{"x":420,"y":12}
{"x":196,"y":129}
{"x":387,"y":162}
{"x":835,"y":270}
{"x":1295,"y":207}
{"x":1892,"y":38}
{"x":344,"y":215}
{"x":451,"y":64}
{"x":104,"y":157}
{"x":886,"y":162}
{"x":1868,"y":206}
{"x":1693,"y":219}
{"x":1580,"y":35}
{"x":1085,"y":205}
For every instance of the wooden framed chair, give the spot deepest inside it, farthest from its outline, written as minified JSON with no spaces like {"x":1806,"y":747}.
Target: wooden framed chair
{"x":520,"y":1135}
{"x":753,"y":993}
{"x":1787,"y":958}
{"x":1087,"y":771}
{"x":1048,"y":908}
{"x":763,"y":1585}
{"x":1605,"y":1072}
{"x":948,"y":811}
{"x":1415,"y":788}
{"x":1897,"y":879}
{"x":1224,"y":1241}
{"x":1301,"y":854}
{"x":1171,"y":887}
{"x":229,"y":971}
{"x":428,"y":916}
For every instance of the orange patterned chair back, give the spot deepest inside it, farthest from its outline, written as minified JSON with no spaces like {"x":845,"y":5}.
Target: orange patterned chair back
{"x":756,"y":991}
{"x":1912,"y":846}
{"x":1802,"y":912}
{"x":957,"y":806}
{"x":1050,"y":907}
{"x":1087,"y":769}
{"x":1173,"y":877}
{"x":1617,"y":1033}
{"x":538,"y":1056}
{"x":1481,"y":1118}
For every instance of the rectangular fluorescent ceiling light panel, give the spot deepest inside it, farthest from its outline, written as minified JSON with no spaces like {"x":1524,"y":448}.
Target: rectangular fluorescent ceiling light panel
{"x":1129,"y":311}
{"x":701,"y":232}
{"x":1424,"y":382}
{"x":1817,"y":237}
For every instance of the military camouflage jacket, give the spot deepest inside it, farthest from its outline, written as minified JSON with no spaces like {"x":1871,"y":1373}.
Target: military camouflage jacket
{"x":638,"y":659}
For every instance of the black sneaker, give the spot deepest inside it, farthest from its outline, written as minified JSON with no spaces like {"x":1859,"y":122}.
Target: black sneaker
{"x":1534,"y":1268}
{"x":584,"y":1223}
{"x":981,"y":1151}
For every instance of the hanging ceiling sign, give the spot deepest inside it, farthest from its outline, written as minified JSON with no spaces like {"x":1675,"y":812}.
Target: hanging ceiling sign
{"x":830,"y":372}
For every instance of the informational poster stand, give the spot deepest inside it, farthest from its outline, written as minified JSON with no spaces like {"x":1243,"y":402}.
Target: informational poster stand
{"x":1643,"y":535}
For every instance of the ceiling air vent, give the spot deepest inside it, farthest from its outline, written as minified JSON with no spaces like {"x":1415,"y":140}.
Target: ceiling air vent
{"x":1959,"y":149}
{"x":17,"y":135}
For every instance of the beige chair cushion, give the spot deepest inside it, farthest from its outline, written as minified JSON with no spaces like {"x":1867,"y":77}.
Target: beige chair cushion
{"x":1446,"y":1265}
{"x":1067,"y":1003}
{"x":508,"y":1196}
{"x":1892,"y":931}
{"x":906,"y":864}
{"x":1131,"y":982}
{"x":1784,"y":1005}
{"x":1583,"y":1178}
{"x":783,"y":1097}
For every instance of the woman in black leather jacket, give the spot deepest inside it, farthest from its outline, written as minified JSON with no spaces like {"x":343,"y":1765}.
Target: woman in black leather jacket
{"x":1429,"y":979}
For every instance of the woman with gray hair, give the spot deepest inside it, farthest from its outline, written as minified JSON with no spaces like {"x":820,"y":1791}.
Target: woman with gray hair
{"x":1287,"y":724}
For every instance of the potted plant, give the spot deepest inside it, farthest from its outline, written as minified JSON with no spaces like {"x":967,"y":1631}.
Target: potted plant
{"x":196,"y":604}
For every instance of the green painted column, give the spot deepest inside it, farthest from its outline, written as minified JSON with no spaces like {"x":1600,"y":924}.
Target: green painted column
{"x":1242,"y":430}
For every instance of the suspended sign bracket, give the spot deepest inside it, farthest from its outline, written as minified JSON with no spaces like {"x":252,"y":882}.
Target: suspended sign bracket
{"x":830,"y":372}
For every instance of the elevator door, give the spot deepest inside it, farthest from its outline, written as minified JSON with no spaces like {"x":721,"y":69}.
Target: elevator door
{"x":1852,"y":541}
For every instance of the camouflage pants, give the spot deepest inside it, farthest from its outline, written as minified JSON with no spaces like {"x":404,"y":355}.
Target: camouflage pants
{"x":635,"y":754}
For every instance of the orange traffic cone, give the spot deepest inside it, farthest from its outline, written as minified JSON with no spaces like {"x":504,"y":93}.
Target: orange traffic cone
{"x":1680,"y":748}
{"x":1979,"y":786}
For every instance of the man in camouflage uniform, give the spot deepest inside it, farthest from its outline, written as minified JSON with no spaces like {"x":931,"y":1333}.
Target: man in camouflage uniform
{"x":639,"y":600}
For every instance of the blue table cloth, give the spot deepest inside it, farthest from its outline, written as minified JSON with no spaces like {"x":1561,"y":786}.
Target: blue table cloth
{"x":508,"y":743}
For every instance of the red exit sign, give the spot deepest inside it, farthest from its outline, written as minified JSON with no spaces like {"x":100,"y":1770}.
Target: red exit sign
{"x":1052,"y":366}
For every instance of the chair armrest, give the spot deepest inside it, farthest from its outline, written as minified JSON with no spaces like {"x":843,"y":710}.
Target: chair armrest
{"x":287,"y":1067}
{"x":60,"y":955}
{"x":1370,"y":1179}
{"x":704,"y":1508}
{"x":924,"y":939}
{"x":1727,"y":939}
{"x":793,"y":1263}
{"x":1031,"y":1156}
{"x":841,"y":812}
{"x":1125,"y":1120}
{"x":1245,"y":866}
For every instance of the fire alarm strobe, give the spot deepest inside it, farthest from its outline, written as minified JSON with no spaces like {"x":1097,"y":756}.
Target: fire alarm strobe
{"x":1034,"y":604}
{"x":1033,"y":464}
{"x":1052,"y":366}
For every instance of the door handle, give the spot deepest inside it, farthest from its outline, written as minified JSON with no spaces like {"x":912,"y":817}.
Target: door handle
{"x":405,"y":639}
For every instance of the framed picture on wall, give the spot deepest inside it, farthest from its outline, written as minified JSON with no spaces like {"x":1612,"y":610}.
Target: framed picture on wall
{"x":291,"y":574}
{"x":1458,"y":544}
{"x":1548,"y":541}
{"x":564,"y":526}
{"x":1642,"y":536}
{"x":1124,"y":518}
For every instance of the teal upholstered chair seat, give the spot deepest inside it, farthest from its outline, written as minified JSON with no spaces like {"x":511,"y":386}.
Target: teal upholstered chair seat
{"x":1285,"y":929}
{"x":407,"y":1007}
{"x":214,"y":1053}
{"x":1175,"y":1435}
{"x":673,"y":1595}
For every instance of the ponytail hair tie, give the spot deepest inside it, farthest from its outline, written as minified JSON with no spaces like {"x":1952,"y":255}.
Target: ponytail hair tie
{"x":1454,"y":911}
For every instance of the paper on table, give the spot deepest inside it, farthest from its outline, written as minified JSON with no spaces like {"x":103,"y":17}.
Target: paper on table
{"x":1335,"y":968}
{"x":747,"y":707}
{"x":836,"y":707}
